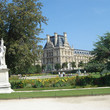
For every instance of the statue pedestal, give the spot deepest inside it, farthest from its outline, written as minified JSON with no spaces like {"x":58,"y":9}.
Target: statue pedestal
{"x":5,"y":86}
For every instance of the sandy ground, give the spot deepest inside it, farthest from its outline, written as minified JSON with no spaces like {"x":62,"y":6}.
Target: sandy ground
{"x":69,"y":103}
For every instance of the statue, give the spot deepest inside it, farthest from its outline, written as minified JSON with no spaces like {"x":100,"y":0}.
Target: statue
{"x":5,"y":86}
{"x":2,"y":54}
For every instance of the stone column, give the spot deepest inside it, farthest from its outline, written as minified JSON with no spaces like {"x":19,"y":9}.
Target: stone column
{"x":48,"y":38}
{"x":55,"y":34}
{"x":65,"y":37}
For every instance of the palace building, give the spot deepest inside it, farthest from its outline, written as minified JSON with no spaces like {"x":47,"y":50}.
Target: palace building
{"x":58,"y":50}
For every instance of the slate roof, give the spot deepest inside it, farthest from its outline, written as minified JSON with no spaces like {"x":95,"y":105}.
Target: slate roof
{"x":79,"y":51}
{"x":60,"y":41}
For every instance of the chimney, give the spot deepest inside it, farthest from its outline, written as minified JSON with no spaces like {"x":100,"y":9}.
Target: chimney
{"x":55,"y":34}
{"x":65,"y":37}
{"x":48,"y":38}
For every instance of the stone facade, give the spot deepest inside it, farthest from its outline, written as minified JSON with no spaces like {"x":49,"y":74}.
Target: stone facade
{"x":58,"y":50}
{"x":81,"y":55}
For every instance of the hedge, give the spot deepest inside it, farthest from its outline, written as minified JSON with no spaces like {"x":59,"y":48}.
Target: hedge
{"x":62,"y":82}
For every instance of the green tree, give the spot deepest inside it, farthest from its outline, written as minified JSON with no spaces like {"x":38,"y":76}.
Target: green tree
{"x":73,"y":64}
{"x":38,"y":69}
{"x":65,"y":65}
{"x":30,"y":70}
{"x":20,"y":25}
{"x":81,"y":64}
{"x":94,"y":66}
{"x":102,"y":48}
{"x":43,"y":67}
{"x":34,"y":69}
{"x":57,"y":66}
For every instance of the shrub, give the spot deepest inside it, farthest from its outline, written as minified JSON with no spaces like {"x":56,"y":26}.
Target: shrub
{"x":14,"y":77}
{"x":61,"y":82}
{"x":16,"y":85}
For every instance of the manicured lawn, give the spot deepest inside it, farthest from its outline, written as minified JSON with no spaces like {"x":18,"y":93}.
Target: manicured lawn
{"x":45,"y":88}
{"x":69,"y":93}
{"x":52,"y":88}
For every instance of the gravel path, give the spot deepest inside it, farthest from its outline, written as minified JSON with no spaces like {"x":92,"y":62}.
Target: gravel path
{"x":63,"y":89}
{"x":69,"y":103}
{"x":40,"y":77}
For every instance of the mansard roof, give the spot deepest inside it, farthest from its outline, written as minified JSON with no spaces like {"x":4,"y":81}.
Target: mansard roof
{"x":79,"y":51}
{"x":60,"y":41}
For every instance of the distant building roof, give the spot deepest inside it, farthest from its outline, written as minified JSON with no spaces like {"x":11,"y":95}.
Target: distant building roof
{"x":79,"y":51}
{"x":60,"y":41}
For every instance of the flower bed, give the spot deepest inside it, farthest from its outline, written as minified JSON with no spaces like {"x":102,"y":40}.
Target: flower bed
{"x":62,"y":82}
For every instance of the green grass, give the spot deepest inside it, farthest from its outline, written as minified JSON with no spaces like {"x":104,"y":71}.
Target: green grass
{"x":45,"y":88}
{"x":69,"y":93}
{"x":53,"y":88}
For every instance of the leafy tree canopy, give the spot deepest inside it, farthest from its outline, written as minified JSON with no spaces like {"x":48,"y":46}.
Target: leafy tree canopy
{"x":94,"y":66}
{"x":73,"y":64}
{"x":20,"y":24}
{"x":65,"y":65}
{"x":102,"y":48}
{"x":57,"y":66}
{"x":81,"y":64}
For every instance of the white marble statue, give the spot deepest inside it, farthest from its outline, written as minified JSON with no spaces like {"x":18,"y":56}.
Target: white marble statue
{"x":2,"y":54}
{"x":5,"y":86}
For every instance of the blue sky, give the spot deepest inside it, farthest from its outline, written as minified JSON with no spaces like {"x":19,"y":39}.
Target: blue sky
{"x":83,"y":20}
